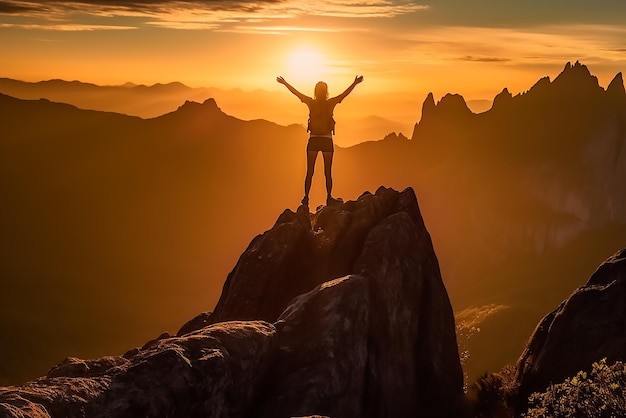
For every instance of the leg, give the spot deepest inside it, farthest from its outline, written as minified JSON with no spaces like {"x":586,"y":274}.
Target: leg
{"x":311,"y":156}
{"x":328,"y":166}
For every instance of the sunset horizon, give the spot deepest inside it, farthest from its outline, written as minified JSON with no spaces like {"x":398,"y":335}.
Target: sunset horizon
{"x":400,"y":46}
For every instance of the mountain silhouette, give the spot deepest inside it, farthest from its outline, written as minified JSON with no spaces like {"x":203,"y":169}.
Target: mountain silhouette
{"x":158,"y":99}
{"x":116,"y":227}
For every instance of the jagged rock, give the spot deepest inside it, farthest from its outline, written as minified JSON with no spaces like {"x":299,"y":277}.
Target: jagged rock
{"x":51,"y":398}
{"x":502,"y":98}
{"x":321,"y":354}
{"x":428,"y":107}
{"x":412,"y":358}
{"x":197,"y":375}
{"x":75,"y":367}
{"x":616,"y":86}
{"x":274,"y":269}
{"x":13,"y":405}
{"x":576,"y":78}
{"x":453,"y":105}
{"x":213,"y":372}
{"x":294,"y":257}
{"x":541,"y":86}
{"x":392,"y":136}
{"x":198,"y":322}
{"x":588,"y":326}
{"x":372,"y":335}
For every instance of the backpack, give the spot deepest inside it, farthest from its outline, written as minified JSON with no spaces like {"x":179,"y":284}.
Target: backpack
{"x":321,"y":120}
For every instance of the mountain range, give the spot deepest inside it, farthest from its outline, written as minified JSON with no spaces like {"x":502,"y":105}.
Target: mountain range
{"x":117,"y":227}
{"x":366,"y":116}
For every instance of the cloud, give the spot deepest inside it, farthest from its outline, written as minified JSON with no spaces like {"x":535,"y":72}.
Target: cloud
{"x":72,"y":27}
{"x":483,"y":59}
{"x":277,"y":30}
{"x":529,"y":46}
{"x":199,"y":14}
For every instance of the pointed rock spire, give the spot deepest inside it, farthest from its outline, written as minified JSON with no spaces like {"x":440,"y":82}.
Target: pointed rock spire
{"x":616,"y":86}
{"x":503,"y":97}
{"x":210,"y":103}
{"x":428,"y":108}
{"x":576,"y":77}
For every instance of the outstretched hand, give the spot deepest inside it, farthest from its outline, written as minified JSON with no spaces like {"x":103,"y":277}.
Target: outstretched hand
{"x":281,"y":80}
{"x":358,"y":79}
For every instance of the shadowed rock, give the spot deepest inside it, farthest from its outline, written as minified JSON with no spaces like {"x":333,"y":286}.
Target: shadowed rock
{"x":588,"y":326}
{"x":198,"y":375}
{"x":321,"y":355}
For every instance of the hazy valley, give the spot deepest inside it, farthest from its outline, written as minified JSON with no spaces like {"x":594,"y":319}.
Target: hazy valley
{"x":365,"y":117}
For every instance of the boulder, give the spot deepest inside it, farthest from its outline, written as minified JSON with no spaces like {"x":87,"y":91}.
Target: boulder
{"x":587,"y":327}
{"x":321,"y":353}
{"x":213,"y":372}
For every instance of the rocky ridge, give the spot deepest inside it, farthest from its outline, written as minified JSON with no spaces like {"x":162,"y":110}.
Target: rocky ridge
{"x":341,"y":313}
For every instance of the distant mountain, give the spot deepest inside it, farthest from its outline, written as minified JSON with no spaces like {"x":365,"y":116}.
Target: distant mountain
{"x":369,"y":128}
{"x":130,"y":99}
{"x":121,"y":227}
{"x":153,"y":101}
{"x":115,"y":228}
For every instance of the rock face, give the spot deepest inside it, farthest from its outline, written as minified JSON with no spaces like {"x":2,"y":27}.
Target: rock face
{"x":342,"y":313}
{"x":588,"y":326}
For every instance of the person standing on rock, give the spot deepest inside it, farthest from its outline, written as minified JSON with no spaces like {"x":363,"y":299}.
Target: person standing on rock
{"x":321,"y":126}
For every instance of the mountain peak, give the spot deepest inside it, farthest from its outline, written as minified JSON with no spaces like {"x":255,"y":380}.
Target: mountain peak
{"x":450,"y":107}
{"x":209,"y":105}
{"x":428,"y":107}
{"x":503,"y":97}
{"x":616,"y":86}
{"x":453,"y":104}
{"x":541,"y":85}
{"x":576,"y":78}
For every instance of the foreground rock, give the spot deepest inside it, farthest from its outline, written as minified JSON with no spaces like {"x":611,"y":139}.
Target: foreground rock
{"x":588,"y":326}
{"x":342,"y":314}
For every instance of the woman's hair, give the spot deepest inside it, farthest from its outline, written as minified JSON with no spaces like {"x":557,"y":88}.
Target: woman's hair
{"x":321,"y":90}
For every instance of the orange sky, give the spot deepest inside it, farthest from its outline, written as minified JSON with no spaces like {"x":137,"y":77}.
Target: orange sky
{"x":415,"y":47}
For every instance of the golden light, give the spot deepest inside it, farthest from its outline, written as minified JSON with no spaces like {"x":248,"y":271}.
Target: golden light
{"x":305,"y":65}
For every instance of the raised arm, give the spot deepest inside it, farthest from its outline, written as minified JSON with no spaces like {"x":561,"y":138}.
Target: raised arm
{"x":292,"y":89}
{"x":357,"y":80}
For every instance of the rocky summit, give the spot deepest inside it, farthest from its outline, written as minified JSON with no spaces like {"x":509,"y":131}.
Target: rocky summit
{"x":341,"y":313}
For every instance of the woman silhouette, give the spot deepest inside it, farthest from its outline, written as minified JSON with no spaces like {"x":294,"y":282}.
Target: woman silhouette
{"x":321,"y":127}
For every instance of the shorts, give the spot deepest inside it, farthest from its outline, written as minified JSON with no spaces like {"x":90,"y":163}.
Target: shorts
{"x":320,"y":143}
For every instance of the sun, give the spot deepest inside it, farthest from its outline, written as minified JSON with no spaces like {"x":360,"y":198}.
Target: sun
{"x":306,"y":65}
